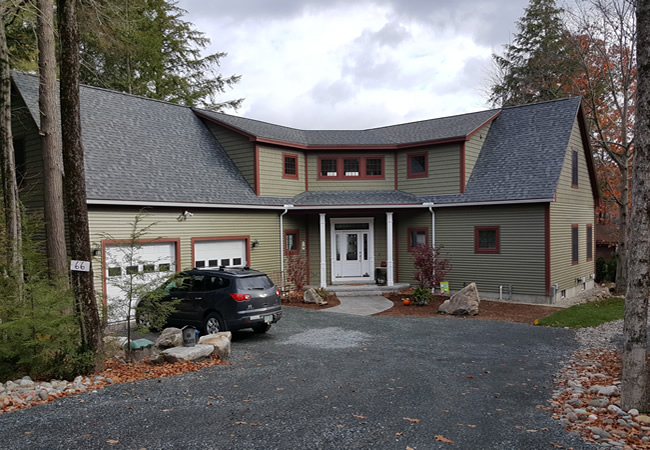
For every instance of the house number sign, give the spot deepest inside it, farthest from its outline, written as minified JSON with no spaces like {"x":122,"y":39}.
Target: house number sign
{"x":80,"y":266}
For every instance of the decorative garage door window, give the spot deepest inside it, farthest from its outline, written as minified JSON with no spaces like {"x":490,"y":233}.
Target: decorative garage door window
{"x":134,"y":270}
{"x":226,"y":253}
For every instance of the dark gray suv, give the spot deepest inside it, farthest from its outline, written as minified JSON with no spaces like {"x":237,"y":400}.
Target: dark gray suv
{"x":216,"y":300}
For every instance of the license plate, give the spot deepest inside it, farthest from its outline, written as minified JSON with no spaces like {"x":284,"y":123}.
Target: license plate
{"x":268,"y":319}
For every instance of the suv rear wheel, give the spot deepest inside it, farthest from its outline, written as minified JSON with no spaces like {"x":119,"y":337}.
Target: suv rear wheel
{"x":213,"y":324}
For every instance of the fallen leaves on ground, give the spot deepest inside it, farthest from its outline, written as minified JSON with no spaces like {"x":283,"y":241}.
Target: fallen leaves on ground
{"x":441,"y":438}
{"x":408,"y":419}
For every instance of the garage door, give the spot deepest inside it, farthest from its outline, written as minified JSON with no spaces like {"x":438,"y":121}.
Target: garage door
{"x":227,"y":253}
{"x":127,"y":268}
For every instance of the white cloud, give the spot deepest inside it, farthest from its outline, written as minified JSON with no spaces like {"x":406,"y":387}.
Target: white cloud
{"x":333,"y":64}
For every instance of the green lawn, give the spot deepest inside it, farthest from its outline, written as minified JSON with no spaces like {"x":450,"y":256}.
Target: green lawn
{"x":586,"y":314}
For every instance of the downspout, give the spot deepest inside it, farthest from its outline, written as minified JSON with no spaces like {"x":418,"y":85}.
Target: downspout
{"x":433,"y":233}
{"x":286,"y":210}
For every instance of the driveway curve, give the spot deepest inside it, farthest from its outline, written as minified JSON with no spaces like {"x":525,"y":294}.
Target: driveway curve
{"x":331,"y":381}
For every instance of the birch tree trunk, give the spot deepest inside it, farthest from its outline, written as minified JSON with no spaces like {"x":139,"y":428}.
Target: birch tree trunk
{"x":75,"y":178}
{"x":634,"y":388}
{"x":9,"y":183}
{"x":51,"y":143}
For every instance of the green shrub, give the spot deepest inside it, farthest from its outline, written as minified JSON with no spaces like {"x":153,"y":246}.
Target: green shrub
{"x":422,"y":296}
{"x":611,"y":269}
{"x":601,"y":269}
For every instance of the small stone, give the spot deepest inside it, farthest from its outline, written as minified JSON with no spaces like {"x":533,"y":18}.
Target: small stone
{"x":608,"y":422}
{"x":600,"y":432}
{"x":599,"y":402}
{"x":43,"y":395}
{"x":608,"y":391}
{"x":572,"y":417}
{"x":622,"y":422}
{"x":109,"y":380}
{"x":592,"y":418}
{"x":575,"y":402}
{"x":619,"y":433}
{"x":633,"y":412}
{"x":580,"y":411}
{"x":615,"y":409}
{"x":642,"y":418}
{"x":645,"y":439}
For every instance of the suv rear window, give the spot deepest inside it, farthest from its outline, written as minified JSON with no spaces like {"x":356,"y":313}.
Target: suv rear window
{"x":254,"y":283}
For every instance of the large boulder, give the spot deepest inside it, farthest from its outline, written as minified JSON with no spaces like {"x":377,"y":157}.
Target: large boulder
{"x":463,"y":302}
{"x":220,"y":342}
{"x":184,"y":354}
{"x":169,"y":338}
{"x":311,"y":296}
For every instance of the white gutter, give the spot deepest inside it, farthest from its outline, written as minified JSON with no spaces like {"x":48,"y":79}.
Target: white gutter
{"x":286,"y":210}
{"x":433,"y":223}
{"x":315,"y":207}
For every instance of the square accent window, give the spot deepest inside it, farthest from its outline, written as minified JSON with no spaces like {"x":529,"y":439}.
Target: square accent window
{"x":199,"y":264}
{"x":417,"y":165}
{"x":487,"y":240}
{"x":328,"y":168}
{"x":374,"y":167}
{"x":418,"y":237}
{"x":574,"y":244}
{"x":225,"y":262}
{"x":291,"y":241}
{"x":131,"y":270}
{"x":574,"y":169}
{"x":236,"y":262}
{"x":148,"y":268}
{"x":114,"y":271}
{"x":166,"y":267}
{"x":351,"y":167}
{"x":590,"y":243}
{"x":213,"y":263}
{"x":290,"y":166}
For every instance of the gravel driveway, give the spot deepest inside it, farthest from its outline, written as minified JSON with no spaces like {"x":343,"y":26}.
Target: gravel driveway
{"x":325,"y":380}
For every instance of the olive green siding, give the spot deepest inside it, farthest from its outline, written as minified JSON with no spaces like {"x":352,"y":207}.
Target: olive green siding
{"x":521,"y":261}
{"x":572,"y":206}
{"x":272,"y":182}
{"x":387,"y":183}
{"x":24,"y":128}
{"x":473,"y":149}
{"x":264,"y":227}
{"x":240,"y":149}
{"x":405,"y":270}
{"x":443,"y":171}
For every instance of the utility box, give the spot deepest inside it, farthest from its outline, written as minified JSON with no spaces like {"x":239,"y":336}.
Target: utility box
{"x":189,"y":336}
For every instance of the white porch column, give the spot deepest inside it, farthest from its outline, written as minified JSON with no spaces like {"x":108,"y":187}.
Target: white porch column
{"x":389,"y":249}
{"x":323,"y":252}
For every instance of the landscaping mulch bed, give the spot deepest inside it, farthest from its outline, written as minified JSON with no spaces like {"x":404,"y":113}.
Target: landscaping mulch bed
{"x":488,"y":310}
{"x":296,"y":299}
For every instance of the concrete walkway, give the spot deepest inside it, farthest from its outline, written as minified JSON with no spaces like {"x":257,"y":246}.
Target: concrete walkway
{"x":361,"y":305}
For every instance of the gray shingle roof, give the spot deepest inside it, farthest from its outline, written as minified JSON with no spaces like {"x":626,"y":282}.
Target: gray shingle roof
{"x":143,"y":150}
{"x":394,"y":135}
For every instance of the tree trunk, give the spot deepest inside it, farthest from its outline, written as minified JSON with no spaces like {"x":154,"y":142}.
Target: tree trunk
{"x":51,"y":142}
{"x":74,"y":180}
{"x":9,"y":183}
{"x":621,"y":247}
{"x":634,"y":377}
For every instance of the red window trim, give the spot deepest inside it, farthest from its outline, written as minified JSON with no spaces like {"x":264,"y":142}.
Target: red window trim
{"x":284,"y":166}
{"x":410,"y":234}
{"x":492,"y":251}
{"x":340,"y":173}
{"x":575,"y":166}
{"x":424,"y":174}
{"x":590,"y":232}
{"x":576,"y":243}
{"x":297,"y":250}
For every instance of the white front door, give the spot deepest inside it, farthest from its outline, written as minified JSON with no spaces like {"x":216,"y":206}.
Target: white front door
{"x":352,"y":250}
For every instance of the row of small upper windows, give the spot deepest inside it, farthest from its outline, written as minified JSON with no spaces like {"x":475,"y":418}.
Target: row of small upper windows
{"x":366,"y":167}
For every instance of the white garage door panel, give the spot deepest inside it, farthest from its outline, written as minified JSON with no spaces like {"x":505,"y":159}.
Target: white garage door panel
{"x":229,"y":253}
{"x":149,"y":264}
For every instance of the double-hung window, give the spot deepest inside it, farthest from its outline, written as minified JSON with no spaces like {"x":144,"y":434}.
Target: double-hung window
{"x":487,"y":240}
{"x":290,"y":163}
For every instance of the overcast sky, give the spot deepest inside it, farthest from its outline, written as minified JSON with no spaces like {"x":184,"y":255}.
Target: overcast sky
{"x":355,"y":64}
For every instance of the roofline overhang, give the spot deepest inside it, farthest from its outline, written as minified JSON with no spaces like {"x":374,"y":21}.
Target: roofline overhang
{"x":477,"y":129}
{"x":302,"y":146}
{"x":143,"y":204}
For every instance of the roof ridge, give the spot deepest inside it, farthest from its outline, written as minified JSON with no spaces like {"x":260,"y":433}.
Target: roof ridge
{"x":111,"y":91}
{"x":563,"y":99}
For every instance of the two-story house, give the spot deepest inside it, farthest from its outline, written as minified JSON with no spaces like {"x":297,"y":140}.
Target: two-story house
{"x":509,"y":193}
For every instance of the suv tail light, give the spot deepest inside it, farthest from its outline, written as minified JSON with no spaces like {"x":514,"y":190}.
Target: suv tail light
{"x":241,"y":297}
{"x":278,"y":293}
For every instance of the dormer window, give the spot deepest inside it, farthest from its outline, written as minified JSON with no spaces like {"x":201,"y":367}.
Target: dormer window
{"x":351,"y":167}
{"x":417,"y":165}
{"x":358,"y":167}
{"x":328,"y":168}
{"x":290,"y":166}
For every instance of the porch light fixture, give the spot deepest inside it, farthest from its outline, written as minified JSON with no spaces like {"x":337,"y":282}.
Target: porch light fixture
{"x":255,"y":243}
{"x":96,"y":251}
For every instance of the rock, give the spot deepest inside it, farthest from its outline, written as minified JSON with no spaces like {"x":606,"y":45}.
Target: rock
{"x":26,"y":382}
{"x":571,"y":416}
{"x":463,"y":302}
{"x":615,"y":409}
{"x":169,"y":338}
{"x":608,"y":391}
{"x":642,"y":418}
{"x":600,"y":432}
{"x":599,"y":402}
{"x":311,"y":296}
{"x":176,"y":354}
{"x":633,"y":412}
{"x":43,"y":395}
{"x":220,"y":342}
